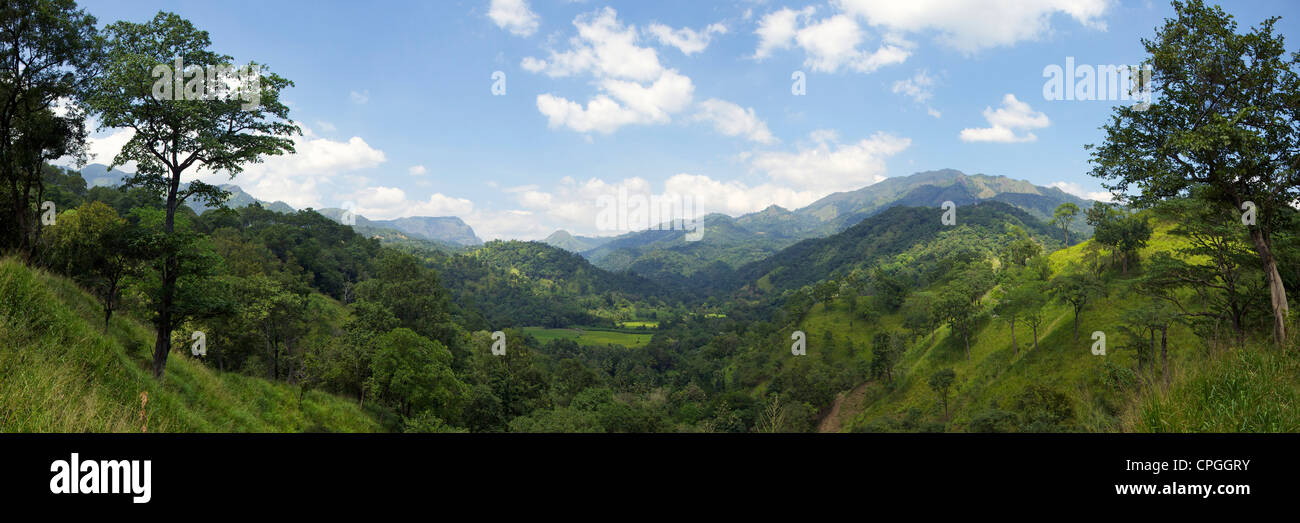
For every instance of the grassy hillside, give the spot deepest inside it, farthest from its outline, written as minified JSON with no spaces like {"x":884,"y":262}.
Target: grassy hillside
{"x":59,"y":372}
{"x":1249,"y":389}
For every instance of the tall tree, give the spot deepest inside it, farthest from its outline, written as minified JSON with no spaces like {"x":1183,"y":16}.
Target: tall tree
{"x":48,"y":53}
{"x":1063,"y":216}
{"x":1032,"y":302}
{"x":886,"y":347}
{"x":959,"y":312}
{"x":1225,"y":119}
{"x":941,"y":381}
{"x":97,"y":247}
{"x":173,"y":134}
{"x":1076,"y":288}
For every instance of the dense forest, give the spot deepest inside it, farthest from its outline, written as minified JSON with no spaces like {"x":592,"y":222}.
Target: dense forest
{"x":908,"y":321}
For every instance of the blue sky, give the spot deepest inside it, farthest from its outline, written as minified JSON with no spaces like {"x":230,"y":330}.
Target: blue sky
{"x":695,"y":97}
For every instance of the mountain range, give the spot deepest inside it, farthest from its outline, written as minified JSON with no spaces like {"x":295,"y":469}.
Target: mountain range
{"x":755,"y":236}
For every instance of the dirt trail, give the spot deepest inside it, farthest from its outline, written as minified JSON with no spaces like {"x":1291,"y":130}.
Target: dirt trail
{"x":844,"y":408}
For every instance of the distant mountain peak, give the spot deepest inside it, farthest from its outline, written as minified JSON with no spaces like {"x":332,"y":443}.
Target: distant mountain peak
{"x":562,"y":239}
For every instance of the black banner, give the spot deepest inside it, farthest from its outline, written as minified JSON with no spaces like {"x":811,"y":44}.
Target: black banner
{"x":317,"y":472}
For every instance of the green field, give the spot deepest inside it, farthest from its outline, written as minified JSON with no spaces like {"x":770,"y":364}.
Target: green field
{"x":650,"y":324}
{"x":590,"y":336}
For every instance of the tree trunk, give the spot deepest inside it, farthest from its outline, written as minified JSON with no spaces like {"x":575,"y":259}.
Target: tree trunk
{"x":162,"y":345}
{"x":1276,"y":289}
{"x":1035,"y":338}
{"x":1076,"y":324}
{"x":1015,"y":348}
{"x":1164,"y":352}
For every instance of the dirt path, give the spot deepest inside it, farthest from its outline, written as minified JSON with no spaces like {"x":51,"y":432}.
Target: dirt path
{"x":844,"y":408}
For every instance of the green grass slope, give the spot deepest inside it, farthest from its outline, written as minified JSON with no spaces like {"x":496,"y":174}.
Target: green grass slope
{"x":59,"y":372}
{"x":1230,"y":390}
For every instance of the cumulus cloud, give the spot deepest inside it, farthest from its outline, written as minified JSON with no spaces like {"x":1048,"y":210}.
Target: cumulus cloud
{"x":604,"y":47}
{"x":827,"y":165}
{"x":733,"y":120}
{"x":1005,"y":121}
{"x":1078,"y":190}
{"x":383,"y":203}
{"x":635,"y":88}
{"x":830,"y":44}
{"x":103,"y":146}
{"x":972,"y":25}
{"x":687,"y":40}
{"x":302,"y":178}
{"x":416,"y":170}
{"x":514,"y":16}
{"x":776,"y":30}
{"x":625,"y":103}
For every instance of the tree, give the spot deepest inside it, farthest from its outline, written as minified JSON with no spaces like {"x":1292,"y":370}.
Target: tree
{"x":413,"y":373}
{"x":1063,"y":216}
{"x":1216,"y":264}
{"x":1032,"y":301}
{"x":214,"y":133}
{"x":49,"y":51}
{"x":97,"y":247}
{"x":957,"y":309}
{"x":1008,"y":309}
{"x":885,"y":350}
{"x":1223,"y":124}
{"x":918,"y":318}
{"x":1076,"y":288}
{"x":940,"y":382}
{"x":1020,"y":247}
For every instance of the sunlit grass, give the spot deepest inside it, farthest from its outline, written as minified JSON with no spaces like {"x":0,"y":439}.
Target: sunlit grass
{"x":59,"y":372}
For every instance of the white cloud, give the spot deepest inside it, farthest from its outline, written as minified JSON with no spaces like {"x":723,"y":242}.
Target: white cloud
{"x":776,"y":30}
{"x":688,"y":40}
{"x":830,"y":166}
{"x":626,"y":103}
{"x":830,"y":44}
{"x":360,"y":98}
{"x":734,"y":197}
{"x":326,"y":126}
{"x":918,"y":87}
{"x":103,"y":146}
{"x":302,"y":178}
{"x":971,"y":25}
{"x":604,"y":47}
{"x":574,"y":205}
{"x":1013,"y":116}
{"x":514,"y":16}
{"x":384,"y":203}
{"x":733,"y":120}
{"x":1078,"y":190}
{"x":416,"y":170}
{"x":635,"y":88}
